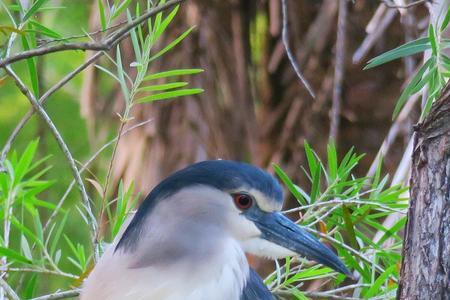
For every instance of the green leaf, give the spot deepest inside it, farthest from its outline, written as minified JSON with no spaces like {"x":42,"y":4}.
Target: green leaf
{"x":31,"y":63}
{"x":30,"y":287}
{"x":33,"y":9}
{"x":414,"y":81}
{"x":290,"y":185}
{"x":45,"y":30}
{"x":349,"y":226}
{"x":445,"y":21}
{"x":25,"y":161}
{"x":171,"y":73}
{"x":120,"y":8}
{"x":332,"y":161}
{"x":58,"y":233}
{"x":433,"y":39}
{"x":315,"y":189}
{"x":407,"y":49}
{"x":172,"y":94}
{"x":162,"y":87}
{"x":172,"y":44}
{"x":121,"y":76}
{"x":13,"y":255}
{"x":134,"y":40}
{"x":163,"y":25}
{"x":311,"y":158}
{"x":101,"y":11}
{"x":375,"y":288}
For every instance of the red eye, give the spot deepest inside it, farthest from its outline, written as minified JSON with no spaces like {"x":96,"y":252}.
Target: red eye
{"x":243,"y":201}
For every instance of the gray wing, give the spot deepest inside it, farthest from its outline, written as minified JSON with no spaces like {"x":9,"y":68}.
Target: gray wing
{"x":255,"y":289}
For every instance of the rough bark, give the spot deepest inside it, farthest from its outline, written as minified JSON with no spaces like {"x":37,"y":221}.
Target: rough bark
{"x":425,"y":272}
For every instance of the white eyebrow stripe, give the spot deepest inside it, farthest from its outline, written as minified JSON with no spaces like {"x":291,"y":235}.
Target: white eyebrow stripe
{"x":264,"y":203}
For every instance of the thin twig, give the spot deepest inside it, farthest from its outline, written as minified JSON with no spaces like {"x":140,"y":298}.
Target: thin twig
{"x":44,"y":42}
{"x":373,"y":36}
{"x":7,"y":288}
{"x":41,"y":271}
{"x":338,"y":71}
{"x":103,"y":45}
{"x":389,"y":4}
{"x":43,"y":114}
{"x":340,"y":202}
{"x":108,"y":176}
{"x":84,"y":167}
{"x":349,"y":249}
{"x":285,"y":37}
{"x":60,"y":295}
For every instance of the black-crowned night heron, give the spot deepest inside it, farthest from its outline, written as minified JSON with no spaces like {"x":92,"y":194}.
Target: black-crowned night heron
{"x":188,"y":238}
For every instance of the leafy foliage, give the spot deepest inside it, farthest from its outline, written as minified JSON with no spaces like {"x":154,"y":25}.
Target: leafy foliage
{"x":434,"y":72}
{"x":347,"y":212}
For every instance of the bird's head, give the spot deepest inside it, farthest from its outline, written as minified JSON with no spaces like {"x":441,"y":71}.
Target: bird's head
{"x":243,"y":201}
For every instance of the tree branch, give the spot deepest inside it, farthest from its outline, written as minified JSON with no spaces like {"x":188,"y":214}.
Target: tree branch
{"x":338,"y":70}
{"x":103,"y":45}
{"x":285,"y":37}
{"x":44,"y":116}
{"x":60,"y":295}
{"x":389,"y":4}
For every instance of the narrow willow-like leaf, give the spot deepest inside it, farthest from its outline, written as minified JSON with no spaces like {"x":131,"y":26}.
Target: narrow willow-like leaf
{"x":33,"y":9}
{"x":433,"y":39}
{"x":349,"y":227}
{"x":108,"y":72}
{"x":134,"y":39}
{"x":445,"y":21}
{"x":315,"y":189}
{"x":425,"y":80}
{"x":121,"y":76}
{"x":168,"y":95}
{"x":31,"y":63}
{"x":290,"y":185}
{"x":376,"y":286}
{"x":414,"y":81}
{"x":172,"y":44}
{"x":120,"y":9}
{"x":13,"y":255}
{"x":45,"y":30}
{"x":162,"y":27}
{"x":162,"y":87}
{"x":407,"y":49}
{"x":172,"y":73}
{"x":101,"y":11}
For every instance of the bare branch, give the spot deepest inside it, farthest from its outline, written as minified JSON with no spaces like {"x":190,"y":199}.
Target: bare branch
{"x":84,"y":167}
{"x":44,"y":116}
{"x":338,"y":70}
{"x":390,"y":4}
{"x":103,"y":45}
{"x":60,"y":295}
{"x":285,"y":37}
{"x":378,"y":29}
{"x":5,"y":286}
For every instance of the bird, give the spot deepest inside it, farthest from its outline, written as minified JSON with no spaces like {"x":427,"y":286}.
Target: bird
{"x":189,"y":237}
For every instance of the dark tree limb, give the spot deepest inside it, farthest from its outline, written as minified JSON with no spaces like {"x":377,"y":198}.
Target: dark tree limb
{"x":425,"y":272}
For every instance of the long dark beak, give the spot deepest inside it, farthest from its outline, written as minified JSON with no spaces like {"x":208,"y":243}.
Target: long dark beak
{"x":280,"y":230}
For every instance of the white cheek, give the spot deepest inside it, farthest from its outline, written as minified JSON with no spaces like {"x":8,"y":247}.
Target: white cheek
{"x":261,"y":247}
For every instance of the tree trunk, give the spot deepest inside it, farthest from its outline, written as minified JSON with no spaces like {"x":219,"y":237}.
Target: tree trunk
{"x":425,"y":272}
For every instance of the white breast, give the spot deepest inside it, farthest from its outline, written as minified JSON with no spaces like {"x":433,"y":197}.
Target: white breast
{"x":220,"y":277}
